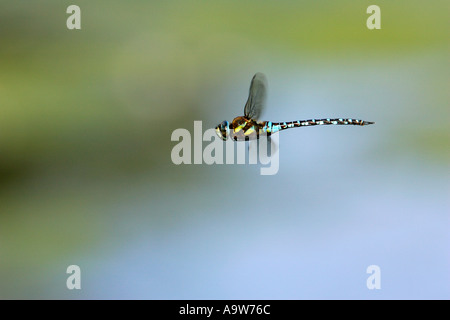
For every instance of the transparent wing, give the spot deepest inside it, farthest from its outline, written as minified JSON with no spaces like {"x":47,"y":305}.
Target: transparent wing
{"x":256,"y":97}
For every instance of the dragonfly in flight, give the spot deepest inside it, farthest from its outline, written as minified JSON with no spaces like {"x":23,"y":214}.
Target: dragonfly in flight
{"x":248,"y":127}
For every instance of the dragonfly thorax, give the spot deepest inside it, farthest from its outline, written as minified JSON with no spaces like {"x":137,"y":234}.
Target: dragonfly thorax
{"x":223,"y":130}
{"x":240,"y":129}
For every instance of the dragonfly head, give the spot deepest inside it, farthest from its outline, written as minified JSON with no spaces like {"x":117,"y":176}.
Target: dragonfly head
{"x":223,"y":130}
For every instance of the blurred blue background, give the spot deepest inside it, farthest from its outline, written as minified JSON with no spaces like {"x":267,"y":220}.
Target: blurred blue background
{"x":86,"y":176}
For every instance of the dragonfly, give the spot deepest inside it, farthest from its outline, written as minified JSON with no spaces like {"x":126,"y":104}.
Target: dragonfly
{"x":248,"y":127}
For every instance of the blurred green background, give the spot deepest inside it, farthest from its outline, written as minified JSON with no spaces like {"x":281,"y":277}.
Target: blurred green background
{"x":86,"y":176}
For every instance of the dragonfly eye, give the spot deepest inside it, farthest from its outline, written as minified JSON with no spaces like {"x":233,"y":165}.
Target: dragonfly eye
{"x":223,"y":130}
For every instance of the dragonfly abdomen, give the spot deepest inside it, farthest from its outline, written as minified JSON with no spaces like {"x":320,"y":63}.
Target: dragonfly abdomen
{"x":273,"y":127}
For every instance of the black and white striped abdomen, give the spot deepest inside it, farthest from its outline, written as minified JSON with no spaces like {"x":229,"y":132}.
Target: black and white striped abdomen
{"x":273,"y":127}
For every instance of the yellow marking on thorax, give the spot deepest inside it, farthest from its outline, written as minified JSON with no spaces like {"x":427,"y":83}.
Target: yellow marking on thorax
{"x":249,"y":131}
{"x":239,"y":128}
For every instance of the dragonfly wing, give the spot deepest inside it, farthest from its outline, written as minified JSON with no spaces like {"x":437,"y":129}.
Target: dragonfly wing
{"x":256,"y":97}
